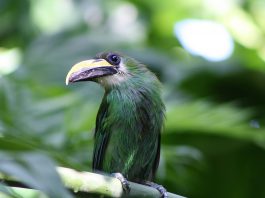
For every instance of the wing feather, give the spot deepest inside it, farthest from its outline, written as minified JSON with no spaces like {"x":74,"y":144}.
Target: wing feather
{"x":101,"y":137}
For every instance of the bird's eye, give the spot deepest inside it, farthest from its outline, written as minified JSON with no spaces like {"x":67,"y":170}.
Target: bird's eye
{"x":114,"y":59}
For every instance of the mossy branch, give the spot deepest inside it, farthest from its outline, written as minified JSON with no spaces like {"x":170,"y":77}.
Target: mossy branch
{"x":87,"y":182}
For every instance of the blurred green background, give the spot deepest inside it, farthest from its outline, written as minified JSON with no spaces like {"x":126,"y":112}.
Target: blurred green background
{"x":209,"y":55}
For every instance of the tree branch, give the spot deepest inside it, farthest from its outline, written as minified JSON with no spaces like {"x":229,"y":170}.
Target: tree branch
{"x":87,"y":182}
{"x":105,"y":185}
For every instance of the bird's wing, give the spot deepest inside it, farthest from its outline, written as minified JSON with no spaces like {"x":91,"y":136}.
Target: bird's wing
{"x":157,"y":158}
{"x":101,"y":138}
{"x":101,"y":141}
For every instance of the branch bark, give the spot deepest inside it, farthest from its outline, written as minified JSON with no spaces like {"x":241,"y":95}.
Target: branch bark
{"x":104,"y":185}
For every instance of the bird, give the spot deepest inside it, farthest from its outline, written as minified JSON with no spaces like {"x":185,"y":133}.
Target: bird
{"x":130,"y":118}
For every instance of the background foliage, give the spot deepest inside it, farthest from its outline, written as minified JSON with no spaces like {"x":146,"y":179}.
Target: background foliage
{"x":214,"y":138}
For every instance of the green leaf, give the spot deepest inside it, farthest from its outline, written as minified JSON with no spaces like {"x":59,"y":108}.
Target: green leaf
{"x":9,"y":192}
{"x":34,"y":170}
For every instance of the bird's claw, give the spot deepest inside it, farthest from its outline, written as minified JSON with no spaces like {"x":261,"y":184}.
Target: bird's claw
{"x":160,"y":188}
{"x":124,"y":182}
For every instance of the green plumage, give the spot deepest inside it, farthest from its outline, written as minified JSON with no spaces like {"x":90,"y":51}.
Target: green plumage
{"x":130,"y":117}
{"x":129,"y":122}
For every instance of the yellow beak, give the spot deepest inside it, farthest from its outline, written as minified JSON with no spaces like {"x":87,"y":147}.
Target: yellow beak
{"x":89,"y":70}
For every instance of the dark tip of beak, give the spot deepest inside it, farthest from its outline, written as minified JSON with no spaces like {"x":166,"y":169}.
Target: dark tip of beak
{"x":91,"y":74}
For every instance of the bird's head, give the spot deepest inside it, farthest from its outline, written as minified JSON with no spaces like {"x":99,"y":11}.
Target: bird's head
{"x":108,"y":68}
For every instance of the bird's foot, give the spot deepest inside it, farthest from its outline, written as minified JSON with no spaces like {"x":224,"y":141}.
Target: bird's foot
{"x":160,"y":188}
{"x":124,"y":182}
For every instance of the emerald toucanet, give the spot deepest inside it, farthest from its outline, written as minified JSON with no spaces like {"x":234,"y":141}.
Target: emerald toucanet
{"x":130,"y":117}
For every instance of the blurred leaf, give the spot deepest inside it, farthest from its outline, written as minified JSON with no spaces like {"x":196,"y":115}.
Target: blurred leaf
{"x":13,"y":144}
{"x":35,"y":170}
{"x":205,"y":118}
{"x":8,"y":192}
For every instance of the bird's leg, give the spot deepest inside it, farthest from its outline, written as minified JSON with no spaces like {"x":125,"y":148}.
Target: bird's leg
{"x":124,"y":182}
{"x":160,"y":188}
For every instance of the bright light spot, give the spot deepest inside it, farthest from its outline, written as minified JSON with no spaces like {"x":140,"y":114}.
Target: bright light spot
{"x":261,"y":53}
{"x":123,"y":22}
{"x":218,"y":7}
{"x":93,"y":15}
{"x":51,"y":16}
{"x":244,"y":29}
{"x":9,"y":60}
{"x":205,"y":38}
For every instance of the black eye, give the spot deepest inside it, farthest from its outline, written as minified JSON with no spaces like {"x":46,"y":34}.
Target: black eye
{"x":114,"y":59}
